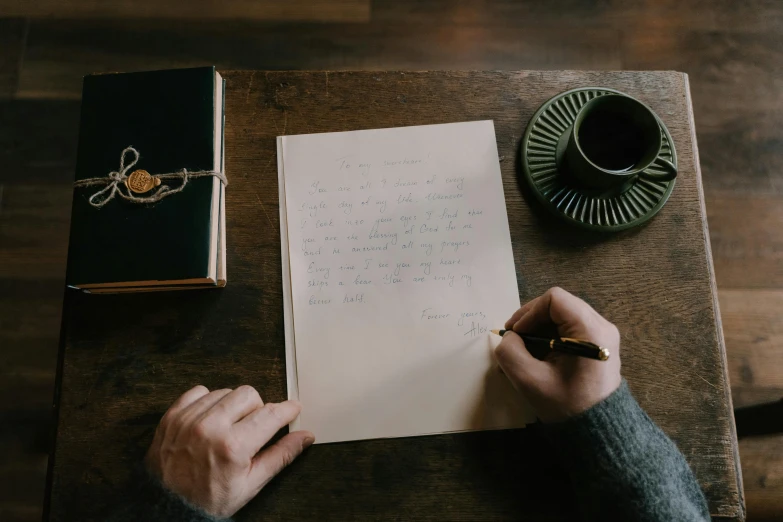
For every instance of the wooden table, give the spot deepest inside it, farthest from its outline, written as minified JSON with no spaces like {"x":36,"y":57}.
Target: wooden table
{"x":125,"y":358}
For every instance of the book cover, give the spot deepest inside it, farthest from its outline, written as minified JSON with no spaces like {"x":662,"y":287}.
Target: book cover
{"x":174,"y":121}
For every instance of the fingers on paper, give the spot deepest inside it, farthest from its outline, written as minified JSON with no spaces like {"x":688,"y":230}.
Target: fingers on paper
{"x":524,"y":370}
{"x":276,"y":457}
{"x":258,"y":428}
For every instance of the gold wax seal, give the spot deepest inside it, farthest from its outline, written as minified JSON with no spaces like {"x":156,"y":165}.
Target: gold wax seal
{"x":141,"y":181}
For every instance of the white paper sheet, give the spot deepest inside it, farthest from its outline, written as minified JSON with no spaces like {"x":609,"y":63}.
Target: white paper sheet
{"x":397,"y":262}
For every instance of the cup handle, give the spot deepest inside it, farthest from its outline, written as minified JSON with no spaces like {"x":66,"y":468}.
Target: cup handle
{"x":668,"y":166}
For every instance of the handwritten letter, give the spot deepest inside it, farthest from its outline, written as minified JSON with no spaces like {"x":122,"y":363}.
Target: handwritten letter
{"x":397,"y":263}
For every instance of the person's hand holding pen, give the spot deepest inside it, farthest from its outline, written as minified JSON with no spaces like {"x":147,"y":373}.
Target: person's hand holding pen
{"x":560,"y":386}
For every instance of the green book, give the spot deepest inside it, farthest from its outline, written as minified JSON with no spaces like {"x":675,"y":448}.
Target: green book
{"x":173,"y":120}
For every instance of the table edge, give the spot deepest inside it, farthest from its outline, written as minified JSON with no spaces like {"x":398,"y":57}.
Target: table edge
{"x":741,"y":508}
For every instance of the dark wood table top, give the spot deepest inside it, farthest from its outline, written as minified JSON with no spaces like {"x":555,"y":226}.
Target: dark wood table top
{"x":125,"y":358}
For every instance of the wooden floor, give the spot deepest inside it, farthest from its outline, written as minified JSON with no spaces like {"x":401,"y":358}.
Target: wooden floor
{"x":733,"y":52}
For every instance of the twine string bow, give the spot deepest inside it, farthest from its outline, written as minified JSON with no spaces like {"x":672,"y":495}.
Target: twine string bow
{"x":115,"y":182}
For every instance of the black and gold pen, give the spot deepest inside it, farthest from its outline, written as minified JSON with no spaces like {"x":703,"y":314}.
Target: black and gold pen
{"x":540,"y":346}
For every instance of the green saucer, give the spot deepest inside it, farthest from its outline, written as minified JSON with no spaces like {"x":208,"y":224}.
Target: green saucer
{"x":543,"y":147}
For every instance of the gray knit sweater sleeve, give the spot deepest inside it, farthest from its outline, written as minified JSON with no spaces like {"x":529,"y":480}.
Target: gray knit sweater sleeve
{"x":624,"y":467}
{"x":149,"y":501}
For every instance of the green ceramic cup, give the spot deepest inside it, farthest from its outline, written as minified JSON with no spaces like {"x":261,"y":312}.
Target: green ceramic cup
{"x":614,"y":139}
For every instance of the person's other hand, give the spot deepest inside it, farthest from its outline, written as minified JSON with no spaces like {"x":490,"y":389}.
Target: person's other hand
{"x":562,"y":385}
{"x":206,"y":448}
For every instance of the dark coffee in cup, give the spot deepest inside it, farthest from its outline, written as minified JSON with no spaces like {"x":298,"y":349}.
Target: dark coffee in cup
{"x":614,"y":138}
{"x":612,"y":141}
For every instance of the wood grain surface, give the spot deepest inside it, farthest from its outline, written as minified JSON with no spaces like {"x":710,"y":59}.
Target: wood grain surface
{"x":754,"y":336}
{"x":13,"y":32}
{"x":747,"y":240}
{"x":290,"y":10}
{"x":125,"y":358}
{"x":37,"y":150}
{"x":60,"y":52}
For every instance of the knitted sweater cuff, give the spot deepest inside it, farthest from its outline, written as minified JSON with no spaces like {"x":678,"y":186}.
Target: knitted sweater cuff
{"x":608,"y":426}
{"x":623,"y":466}
{"x":151,"y":501}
